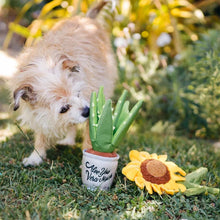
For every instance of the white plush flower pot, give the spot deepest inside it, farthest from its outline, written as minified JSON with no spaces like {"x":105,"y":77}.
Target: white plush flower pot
{"x":98,"y":171}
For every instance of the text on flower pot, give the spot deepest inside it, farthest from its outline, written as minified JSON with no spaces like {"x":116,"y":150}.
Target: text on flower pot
{"x":95,"y":174}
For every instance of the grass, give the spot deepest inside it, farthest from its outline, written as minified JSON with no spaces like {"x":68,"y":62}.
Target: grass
{"x":54,"y":190}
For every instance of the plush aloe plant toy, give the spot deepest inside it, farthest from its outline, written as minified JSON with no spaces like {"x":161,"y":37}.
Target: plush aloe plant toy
{"x":108,"y":127}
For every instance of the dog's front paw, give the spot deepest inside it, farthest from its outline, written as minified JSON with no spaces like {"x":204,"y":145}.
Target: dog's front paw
{"x":33,"y":160}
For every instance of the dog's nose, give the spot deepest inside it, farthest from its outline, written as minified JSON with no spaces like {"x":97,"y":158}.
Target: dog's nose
{"x":85,"y":112}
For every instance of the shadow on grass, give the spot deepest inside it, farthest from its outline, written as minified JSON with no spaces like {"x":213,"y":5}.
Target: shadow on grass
{"x":68,"y":154}
{"x":21,"y":145}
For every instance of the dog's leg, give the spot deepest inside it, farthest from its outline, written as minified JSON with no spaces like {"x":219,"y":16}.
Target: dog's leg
{"x":39,"y":153}
{"x":70,"y":137}
{"x":86,"y":142}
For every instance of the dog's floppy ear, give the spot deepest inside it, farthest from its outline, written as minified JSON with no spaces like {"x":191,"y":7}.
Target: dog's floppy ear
{"x":71,"y":65}
{"x":26,"y":93}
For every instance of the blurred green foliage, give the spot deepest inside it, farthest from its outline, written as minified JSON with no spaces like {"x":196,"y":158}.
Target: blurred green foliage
{"x":159,"y":23}
{"x":183,"y":97}
{"x":150,"y":37}
{"x":203,"y":79}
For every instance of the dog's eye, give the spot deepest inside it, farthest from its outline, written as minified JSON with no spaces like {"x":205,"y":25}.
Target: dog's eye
{"x":65,"y":108}
{"x":75,"y":69}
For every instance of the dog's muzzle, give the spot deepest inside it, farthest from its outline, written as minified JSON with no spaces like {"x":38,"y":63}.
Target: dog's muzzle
{"x":85,"y":112}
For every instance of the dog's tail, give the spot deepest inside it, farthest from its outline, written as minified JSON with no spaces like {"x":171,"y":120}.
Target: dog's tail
{"x":106,"y":16}
{"x":93,"y":12}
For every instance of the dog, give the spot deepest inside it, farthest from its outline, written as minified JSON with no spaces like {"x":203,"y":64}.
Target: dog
{"x":56,"y":77}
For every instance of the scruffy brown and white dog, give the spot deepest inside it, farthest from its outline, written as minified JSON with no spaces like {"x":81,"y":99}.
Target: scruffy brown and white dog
{"x":55,"y":78}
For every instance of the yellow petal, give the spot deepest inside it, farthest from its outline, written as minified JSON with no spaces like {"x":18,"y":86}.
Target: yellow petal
{"x":134,"y":163}
{"x":177,"y":177}
{"x":139,"y":174}
{"x":174,"y":168}
{"x":162,"y":157}
{"x":171,"y":185}
{"x":181,"y":187}
{"x":168,"y":191}
{"x":156,"y":188}
{"x":153,"y":156}
{"x":138,"y":156}
{"x":130,"y":172}
{"x":174,"y":188}
{"x":130,"y":166}
{"x":149,"y":187}
{"x":145,"y":155}
{"x":140,"y":182}
{"x":134,"y":155}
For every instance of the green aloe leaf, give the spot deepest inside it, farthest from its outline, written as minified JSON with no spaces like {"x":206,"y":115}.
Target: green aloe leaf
{"x":93,"y":120}
{"x":123,"y":115}
{"x":100,"y":100}
{"x":104,"y":132}
{"x":104,"y":135}
{"x":119,"y":107}
{"x":120,"y":133}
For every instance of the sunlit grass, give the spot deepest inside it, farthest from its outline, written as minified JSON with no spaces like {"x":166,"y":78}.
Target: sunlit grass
{"x":5,"y":133}
{"x":4,"y":115}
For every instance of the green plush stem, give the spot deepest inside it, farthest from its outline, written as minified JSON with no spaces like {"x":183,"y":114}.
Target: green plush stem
{"x":194,"y":191}
{"x":104,"y":132}
{"x":210,"y":190}
{"x":120,"y":133}
{"x":201,"y":189}
{"x":118,"y":107}
{"x":93,"y":118}
{"x":190,"y":185}
{"x":100,"y":101}
{"x":193,"y":181}
{"x":197,"y":176}
{"x":214,"y":191}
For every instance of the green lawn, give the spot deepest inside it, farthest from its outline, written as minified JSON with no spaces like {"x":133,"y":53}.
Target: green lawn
{"x":54,"y":190}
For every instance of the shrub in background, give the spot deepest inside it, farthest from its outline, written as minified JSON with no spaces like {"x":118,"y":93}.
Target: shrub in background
{"x":203,"y":84}
{"x":184,"y":97}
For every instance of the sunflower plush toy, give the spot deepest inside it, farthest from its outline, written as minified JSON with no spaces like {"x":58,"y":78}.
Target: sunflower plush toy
{"x":156,"y":174}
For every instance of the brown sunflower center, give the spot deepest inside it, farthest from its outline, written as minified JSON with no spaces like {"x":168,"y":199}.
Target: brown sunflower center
{"x":155,"y":171}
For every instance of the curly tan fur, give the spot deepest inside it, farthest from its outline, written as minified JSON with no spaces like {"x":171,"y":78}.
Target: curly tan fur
{"x":72,"y":60}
